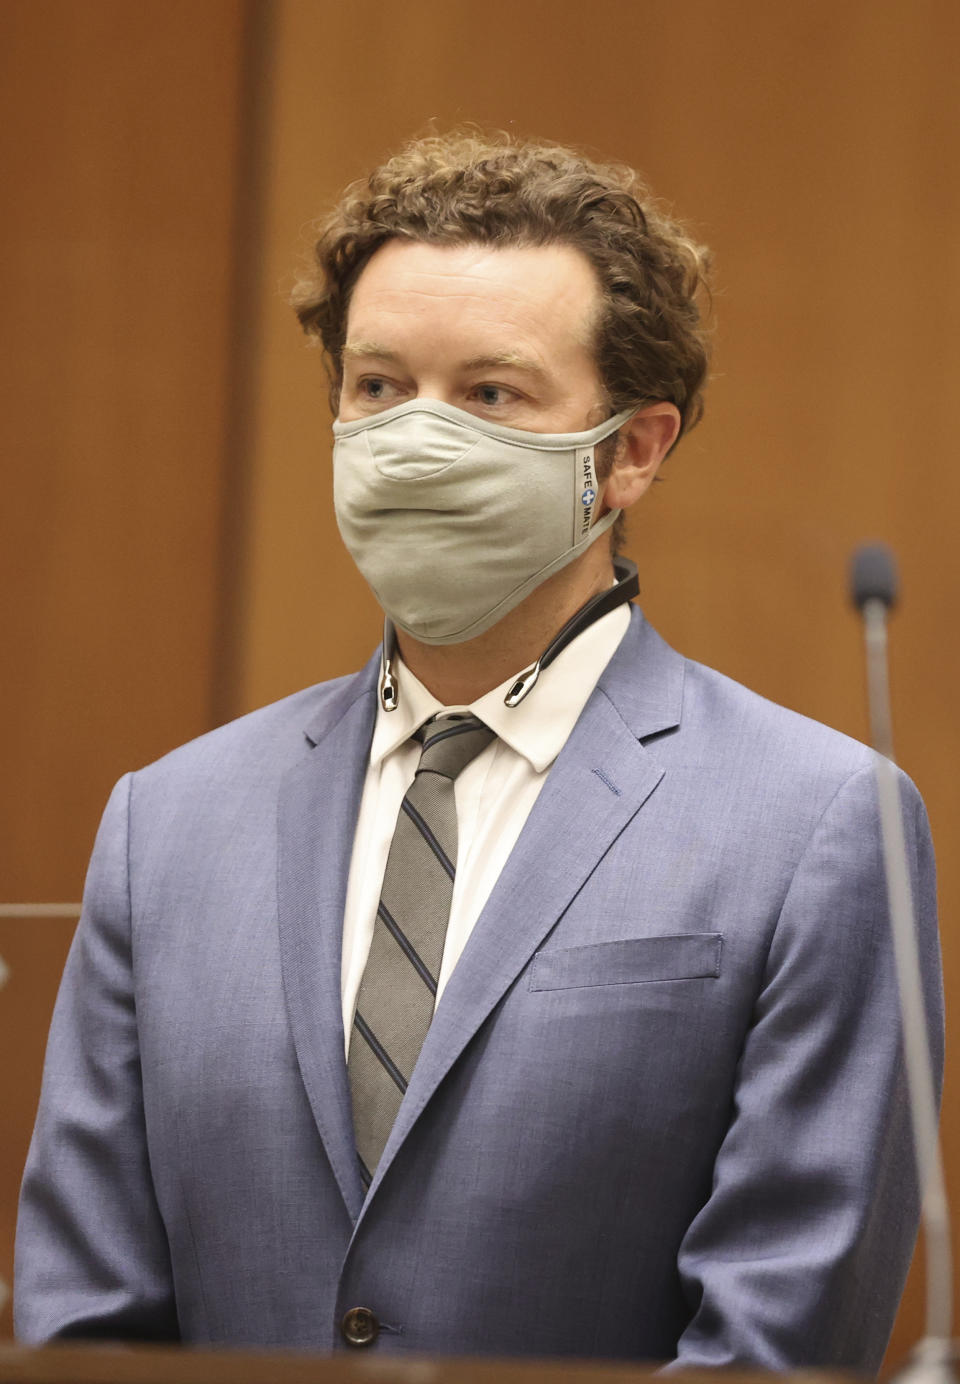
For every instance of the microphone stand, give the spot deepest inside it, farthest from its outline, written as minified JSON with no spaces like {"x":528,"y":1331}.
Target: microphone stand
{"x":933,"y":1359}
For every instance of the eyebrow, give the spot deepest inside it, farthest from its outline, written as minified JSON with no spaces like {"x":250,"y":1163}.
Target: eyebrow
{"x":370,"y":349}
{"x":505,"y":358}
{"x":374,"y":350}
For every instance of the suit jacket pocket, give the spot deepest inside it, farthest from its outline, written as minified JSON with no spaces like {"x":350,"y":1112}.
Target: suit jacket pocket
{"x":635,"y":961}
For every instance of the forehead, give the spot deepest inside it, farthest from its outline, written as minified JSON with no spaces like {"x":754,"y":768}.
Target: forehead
{"x":540,"y":294}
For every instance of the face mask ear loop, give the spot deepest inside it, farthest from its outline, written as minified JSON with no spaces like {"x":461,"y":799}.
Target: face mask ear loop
{"x":627,"y":586}
{"x":387,"y":687}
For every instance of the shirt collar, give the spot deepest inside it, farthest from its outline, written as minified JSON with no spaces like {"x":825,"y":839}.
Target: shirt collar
{"x":539,"y":727}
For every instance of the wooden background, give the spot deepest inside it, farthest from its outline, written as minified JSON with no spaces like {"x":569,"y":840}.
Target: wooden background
{"x":169,"y":557}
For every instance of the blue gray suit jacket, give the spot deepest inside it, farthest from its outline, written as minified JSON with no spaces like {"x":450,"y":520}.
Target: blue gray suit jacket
{"x":659,"y":1114}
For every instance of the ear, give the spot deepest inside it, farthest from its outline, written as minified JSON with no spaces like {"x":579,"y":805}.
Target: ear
{"x":642,"y":444}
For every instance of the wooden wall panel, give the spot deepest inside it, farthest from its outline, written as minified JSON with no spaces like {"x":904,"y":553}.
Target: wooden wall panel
{"x":119,"y":149}
{"x":811,"y":145}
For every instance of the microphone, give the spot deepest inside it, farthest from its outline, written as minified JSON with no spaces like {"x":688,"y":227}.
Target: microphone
{"x":874,"y":590}
{"x":873,"y":576}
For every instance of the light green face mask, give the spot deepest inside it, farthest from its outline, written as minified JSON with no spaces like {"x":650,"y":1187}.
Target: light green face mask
{"x":453,"y":520}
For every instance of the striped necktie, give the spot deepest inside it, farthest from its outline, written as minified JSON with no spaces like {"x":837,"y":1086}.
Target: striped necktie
{"x":397,"y":993}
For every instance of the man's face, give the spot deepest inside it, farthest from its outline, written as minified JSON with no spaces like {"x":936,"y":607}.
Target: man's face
{"x":502,"y":333}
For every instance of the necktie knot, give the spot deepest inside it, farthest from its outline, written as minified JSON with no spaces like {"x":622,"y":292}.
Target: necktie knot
{"x":449,"y":744}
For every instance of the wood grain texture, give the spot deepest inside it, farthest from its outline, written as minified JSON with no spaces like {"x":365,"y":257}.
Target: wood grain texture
{"x":158,"y":1365}
{"x":118,"y":141}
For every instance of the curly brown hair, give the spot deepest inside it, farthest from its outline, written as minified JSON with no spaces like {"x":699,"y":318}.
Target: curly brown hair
{"x":466,"y":187}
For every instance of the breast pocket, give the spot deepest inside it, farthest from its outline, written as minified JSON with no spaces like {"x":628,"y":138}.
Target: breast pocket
{"x":635,"y":961}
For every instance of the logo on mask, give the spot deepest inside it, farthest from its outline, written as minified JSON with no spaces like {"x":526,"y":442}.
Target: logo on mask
{"x":588,"y":497}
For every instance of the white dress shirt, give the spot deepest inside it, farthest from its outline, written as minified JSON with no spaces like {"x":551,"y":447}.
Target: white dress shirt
{"x":494,"y":793}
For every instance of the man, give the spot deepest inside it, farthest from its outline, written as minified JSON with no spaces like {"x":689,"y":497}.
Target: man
{"x":658,"y":1109}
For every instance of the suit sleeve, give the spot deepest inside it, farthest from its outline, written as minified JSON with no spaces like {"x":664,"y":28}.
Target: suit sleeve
{"x":799,"y":1256}
{"x":91,"y":1256}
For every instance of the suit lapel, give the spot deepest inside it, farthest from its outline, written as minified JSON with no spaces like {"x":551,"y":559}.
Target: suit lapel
{"x":598,"y":784}
{"x":319,"y":802}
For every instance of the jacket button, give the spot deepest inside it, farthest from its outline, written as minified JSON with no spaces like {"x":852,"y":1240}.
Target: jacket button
{"x":359,"y":1327}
